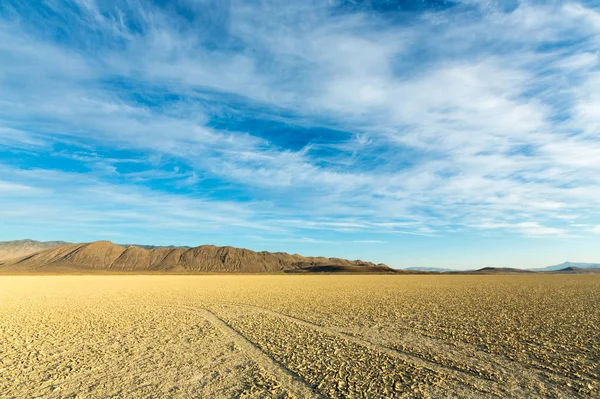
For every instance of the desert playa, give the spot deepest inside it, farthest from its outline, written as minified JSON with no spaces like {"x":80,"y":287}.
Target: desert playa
{"x":307,"y":336}
{"x":215,"y":199}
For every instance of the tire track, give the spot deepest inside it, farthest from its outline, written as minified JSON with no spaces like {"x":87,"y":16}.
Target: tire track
{"x":290,"y":381}
{"x":521,"y":376}
{"x":470,"y":380}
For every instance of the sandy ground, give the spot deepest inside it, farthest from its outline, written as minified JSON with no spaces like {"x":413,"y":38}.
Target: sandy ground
{"x":299,"y":336}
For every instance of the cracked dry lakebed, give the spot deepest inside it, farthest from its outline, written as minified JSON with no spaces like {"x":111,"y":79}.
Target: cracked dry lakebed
{"x":281,"y":336}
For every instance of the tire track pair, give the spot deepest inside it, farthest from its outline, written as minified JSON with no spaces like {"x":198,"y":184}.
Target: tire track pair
{"x":467,"y":379}
{"x":291,"y":381}
{"x":521,"y":375}
{"x":483,"y":385}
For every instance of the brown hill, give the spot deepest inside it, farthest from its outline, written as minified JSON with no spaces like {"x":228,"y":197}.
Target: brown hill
{"x":104,"y":256}
{"x":20,"y":248}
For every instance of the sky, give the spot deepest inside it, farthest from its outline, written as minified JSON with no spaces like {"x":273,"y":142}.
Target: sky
{"x":416,"y":133}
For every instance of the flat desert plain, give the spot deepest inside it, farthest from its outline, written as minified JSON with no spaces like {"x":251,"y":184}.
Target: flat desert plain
{"x":300,"y":336}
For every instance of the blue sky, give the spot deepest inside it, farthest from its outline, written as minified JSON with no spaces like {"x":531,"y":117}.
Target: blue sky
{"x":416,"y":133}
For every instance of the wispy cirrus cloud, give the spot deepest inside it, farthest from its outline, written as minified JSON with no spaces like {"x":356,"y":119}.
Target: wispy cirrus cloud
{"x":428,"y":120}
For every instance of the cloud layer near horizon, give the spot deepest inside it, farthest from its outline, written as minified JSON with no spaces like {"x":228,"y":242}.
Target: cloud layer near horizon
{"x":301,"y":120}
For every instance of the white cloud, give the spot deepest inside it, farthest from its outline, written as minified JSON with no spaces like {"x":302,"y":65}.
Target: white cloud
{"x":498,"y":131}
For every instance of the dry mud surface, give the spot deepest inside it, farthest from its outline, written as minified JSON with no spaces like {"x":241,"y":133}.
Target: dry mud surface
{"x":299,"y":336}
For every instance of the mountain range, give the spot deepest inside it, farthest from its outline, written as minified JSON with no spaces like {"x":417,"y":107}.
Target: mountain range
{"x":30,"y":256}
{"x":566,"y":265}
{"x":104,"y":256}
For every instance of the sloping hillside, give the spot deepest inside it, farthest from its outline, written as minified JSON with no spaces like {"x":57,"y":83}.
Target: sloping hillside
{"x":104,"y":256}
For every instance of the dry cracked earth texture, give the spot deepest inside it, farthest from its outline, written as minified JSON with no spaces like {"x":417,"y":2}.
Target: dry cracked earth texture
{"x":299,"y":336}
